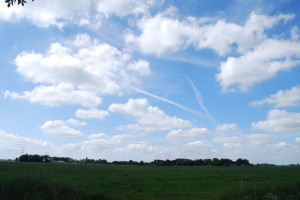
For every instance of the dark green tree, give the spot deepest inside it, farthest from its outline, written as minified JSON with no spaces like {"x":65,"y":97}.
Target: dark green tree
{"x":12,"y":2}
{"x":241,"y":161}
{"x":24,"y":158}
{"x":215,"y":162}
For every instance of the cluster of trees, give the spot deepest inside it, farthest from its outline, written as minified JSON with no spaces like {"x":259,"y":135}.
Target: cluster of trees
{"x":43,"y":158}
{"x":47,"y":158}
{"x":188,"y":162}
{"x":92,"y":161}
{"x":176,"y":162}
{"x":202,"y":162}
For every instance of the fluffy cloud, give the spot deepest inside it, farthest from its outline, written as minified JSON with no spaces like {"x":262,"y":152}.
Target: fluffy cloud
{"x":226,"y":127}
{"x":76,"y":122}
{"x":60,"y":128}
{"x":91,"y":113}
{"x":56,"y":95}
{"x":165,"y":33}
{"x":279,"y":121}
{"x":141,"y":146}
{"x":258,"y":148}
{"x":161,"y":34}
{"x":181,"y":135}
{"x":148,"y":118}
{"x":101,"y":146}
{"x":255,"y":147}
{"x":45,"y":14}
{"x":259,"y":64}
{"x":241,"y":145}
{"x":89,"y":69}
{"x":282,"y":98}
{"x":97,"y":136}
{"x":141,"y":67}
{"x":253,"y":139}
{"x":11,"y":145}
{"x":60,"y":13}
{"x":199,"y":144}
{"x":126,"y":7}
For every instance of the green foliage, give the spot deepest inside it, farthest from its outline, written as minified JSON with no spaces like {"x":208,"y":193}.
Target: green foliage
{"x":12,"y":2}
{"x":136,"y":182}
{"x":176,"y":162}
{"x":44,"y":158}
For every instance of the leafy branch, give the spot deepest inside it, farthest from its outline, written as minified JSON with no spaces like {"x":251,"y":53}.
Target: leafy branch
{"x":12,"y":2}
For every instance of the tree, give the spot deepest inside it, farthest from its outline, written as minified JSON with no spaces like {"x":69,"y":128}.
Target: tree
{"x":241,"y":161}
{"x":24,"y":158}
{"x":12,"y":2}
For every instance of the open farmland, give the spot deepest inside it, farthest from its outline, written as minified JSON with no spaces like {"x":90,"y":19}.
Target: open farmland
{"x":152,"y":182}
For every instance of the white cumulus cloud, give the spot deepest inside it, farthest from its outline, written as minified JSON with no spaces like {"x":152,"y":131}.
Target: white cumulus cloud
{"x":257,"y":147}
{"x":258,"y":64}
{"x":56,"y":95}
{"x":165,"y":33}
{"x":279,"y":121}
{"x":76,"y":122}
{"x":80,"y":12}
{"x":77,"y":72}
{"x":126,"y":7}
{"x":91,"y":113}
{"x":97,"y":136}
{"x":47,"y":13}
{"x":181,"y":135}
{"x":226,"y":127}
{"x":283,"y":98}
{"x":12,"y":145}
{"x":59,"y":128}
{"x":148,"y":118}
{"x":141,"y":146}
{"x":199,"y":144}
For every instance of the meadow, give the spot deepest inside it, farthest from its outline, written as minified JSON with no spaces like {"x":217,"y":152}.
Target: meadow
{"x":21,"y":180}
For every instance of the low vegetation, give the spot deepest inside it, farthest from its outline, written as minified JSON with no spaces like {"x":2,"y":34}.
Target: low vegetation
{"x":30,"y":180}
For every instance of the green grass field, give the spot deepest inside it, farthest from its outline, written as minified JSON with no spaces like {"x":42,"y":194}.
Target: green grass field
{"x":82,"y":181}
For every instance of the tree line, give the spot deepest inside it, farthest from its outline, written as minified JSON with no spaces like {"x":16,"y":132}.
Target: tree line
{"x":157,"y":162}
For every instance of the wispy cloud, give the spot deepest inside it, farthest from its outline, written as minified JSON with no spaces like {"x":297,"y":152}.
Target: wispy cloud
{"x":170,"y":102}
{"x":200,"y":100}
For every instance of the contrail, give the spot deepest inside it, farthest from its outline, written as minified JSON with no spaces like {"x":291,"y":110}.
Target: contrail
{"x":200,"y":100}
{"x":169,"y":101}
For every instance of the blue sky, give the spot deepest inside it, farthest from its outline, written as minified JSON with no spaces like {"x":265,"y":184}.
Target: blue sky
{"x":152,"y":79}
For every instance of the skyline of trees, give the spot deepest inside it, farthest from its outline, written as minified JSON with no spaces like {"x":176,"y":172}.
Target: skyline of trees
{"x":157,"y":162}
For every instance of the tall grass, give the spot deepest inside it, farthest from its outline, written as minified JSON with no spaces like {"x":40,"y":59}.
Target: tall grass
{"x":262,"y":191}
{"x":38,"y":186}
